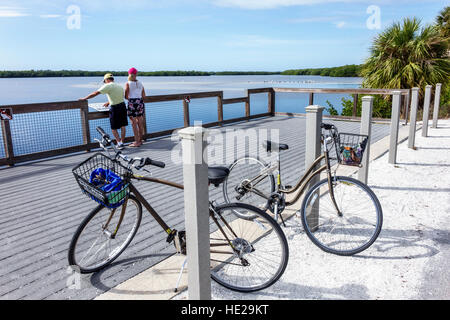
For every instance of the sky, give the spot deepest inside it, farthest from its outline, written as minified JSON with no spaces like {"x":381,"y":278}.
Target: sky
{"x":204,"y":35}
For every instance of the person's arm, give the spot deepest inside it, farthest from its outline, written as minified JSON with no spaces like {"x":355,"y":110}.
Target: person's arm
{"x":92,"y":95}
{"x":143,"y":93}
{"x":127,"y":90}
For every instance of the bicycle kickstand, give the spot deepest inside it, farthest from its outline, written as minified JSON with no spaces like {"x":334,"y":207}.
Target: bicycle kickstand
{"x":181,"y":274}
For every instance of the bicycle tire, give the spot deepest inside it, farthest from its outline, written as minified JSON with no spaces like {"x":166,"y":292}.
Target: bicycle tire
{"x":239,"y":175}
{"x":259,"y":252}
{"x":76,"y":243}
{"x":365,"y":225}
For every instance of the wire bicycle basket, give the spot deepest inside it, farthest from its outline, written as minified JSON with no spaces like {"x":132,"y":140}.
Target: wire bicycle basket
{"x":350,"y":148}
{"x":103,"y":180}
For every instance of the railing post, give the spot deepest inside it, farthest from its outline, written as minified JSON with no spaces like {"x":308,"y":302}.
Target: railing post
{"x":366,"y":129}
{"x":220,"y":108}
{"x":247,"y":105}
{"x":186,"y":112}
{"x":408,"y":101}
{"x":395,"y":121}
{"x":437,"y":102}
{"x":413,"y":117}
{"x":311,"y":98}
{"x":196,"y":204}
{"x":426,"y":110}
{"x":271,"y":103}
{"x":313,"y":150}
{"x":84,"y":113}
{"x":7,"y":142}
{"x":355,"y":104}
{"x":144,"y":137}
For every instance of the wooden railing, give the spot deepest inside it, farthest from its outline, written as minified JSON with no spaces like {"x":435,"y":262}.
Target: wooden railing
{"x":86,"y":116}
{"x":355,"y":92}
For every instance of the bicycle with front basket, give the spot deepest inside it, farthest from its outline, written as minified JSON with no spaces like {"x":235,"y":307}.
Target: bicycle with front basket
{"x":246,"y":254}
{"x":341,"y":215}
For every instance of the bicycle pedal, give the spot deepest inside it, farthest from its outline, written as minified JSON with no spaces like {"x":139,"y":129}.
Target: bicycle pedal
{"x":180,"y":242}
{"x":171,"y":236}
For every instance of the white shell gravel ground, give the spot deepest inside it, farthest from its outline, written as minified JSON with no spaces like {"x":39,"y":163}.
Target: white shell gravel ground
{"x":409,"y":260}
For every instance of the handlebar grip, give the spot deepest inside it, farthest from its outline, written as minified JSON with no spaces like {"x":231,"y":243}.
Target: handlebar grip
{"x":155,"y":163}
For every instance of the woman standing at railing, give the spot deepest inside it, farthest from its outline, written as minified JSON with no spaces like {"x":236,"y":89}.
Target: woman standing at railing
{"x":135,"y":93}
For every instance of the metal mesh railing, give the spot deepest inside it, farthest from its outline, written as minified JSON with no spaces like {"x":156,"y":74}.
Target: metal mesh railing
{"x":161,"y":116}
{"x":296,"y":102}
{"x":105,"y":124}
{"x":291,"y":102}
{"x":45,"y":131}
{"x":2,"y":147}
{"x":233,"y":110}
{"x":259,"y":103}
{"x":203,"y":109}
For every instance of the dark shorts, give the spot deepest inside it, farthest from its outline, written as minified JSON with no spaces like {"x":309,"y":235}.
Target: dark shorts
{"x":118,"y":116}
{"x":135,"y":107}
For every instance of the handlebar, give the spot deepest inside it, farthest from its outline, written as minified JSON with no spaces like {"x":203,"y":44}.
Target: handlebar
{"x":106,"y":142}
{"x":330,"y":137}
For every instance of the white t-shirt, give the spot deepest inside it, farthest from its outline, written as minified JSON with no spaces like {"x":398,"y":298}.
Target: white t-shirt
{"x":135,"y":90}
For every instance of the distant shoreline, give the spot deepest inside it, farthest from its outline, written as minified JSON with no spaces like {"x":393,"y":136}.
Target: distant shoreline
{"x":344,"y":71}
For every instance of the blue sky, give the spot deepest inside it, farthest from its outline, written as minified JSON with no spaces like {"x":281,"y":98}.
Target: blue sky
{"x":207,"y":35}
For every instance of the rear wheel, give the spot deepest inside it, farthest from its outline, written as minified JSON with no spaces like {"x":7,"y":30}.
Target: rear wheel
{"x":241,"y":186}
{"x":246,"y":254}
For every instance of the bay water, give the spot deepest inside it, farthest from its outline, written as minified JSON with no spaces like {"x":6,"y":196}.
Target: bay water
{"x":58,"y":129}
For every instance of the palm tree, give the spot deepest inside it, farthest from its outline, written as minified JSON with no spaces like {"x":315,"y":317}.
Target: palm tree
{"x":405,"y":56}
{"x":443,"y":22}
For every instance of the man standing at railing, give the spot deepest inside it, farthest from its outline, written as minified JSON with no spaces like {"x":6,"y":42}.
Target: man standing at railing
{"x":118,"y":109}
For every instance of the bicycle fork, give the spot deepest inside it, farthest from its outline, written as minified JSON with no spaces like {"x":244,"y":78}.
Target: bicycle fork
{"x":330,"y":185}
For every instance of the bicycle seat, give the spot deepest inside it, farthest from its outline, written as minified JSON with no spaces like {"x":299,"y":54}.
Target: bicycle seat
{"x":217,"y":175}
{"x":273,"y":146}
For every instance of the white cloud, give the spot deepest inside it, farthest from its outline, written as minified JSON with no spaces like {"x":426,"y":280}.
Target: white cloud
{"x":270,"y":4}
{"x":341,"y":24}
{"x":50,"y":16}
{"x":12,"y":12}
{"x":311,"y":20}
{"x":257,"y":41}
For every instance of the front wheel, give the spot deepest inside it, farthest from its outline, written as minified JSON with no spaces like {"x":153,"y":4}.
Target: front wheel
{"x":103,"y":235}
{"x":246,"y":254}
{"x":349,"y":230}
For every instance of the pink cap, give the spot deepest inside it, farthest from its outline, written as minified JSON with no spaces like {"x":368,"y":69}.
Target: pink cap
{"x":132,"y":71}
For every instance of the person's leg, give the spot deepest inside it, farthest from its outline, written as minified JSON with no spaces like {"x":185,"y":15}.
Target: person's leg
{"x":141,"y":128}
{"x":122,"y":120}
{"x":123,"y":132}
{"x":116,"y":135}
{"x":114,"y":124}
{"x":134,"y":125}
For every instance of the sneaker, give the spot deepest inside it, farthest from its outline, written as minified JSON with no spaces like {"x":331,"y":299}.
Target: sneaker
{"x":120,"y":146}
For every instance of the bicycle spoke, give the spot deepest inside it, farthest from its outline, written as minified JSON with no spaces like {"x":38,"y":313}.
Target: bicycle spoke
{"x":259,"y":252}
{"x":350,"y":233}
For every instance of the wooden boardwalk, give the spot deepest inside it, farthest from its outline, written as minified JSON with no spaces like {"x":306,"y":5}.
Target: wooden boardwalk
{"x":42,"y":206}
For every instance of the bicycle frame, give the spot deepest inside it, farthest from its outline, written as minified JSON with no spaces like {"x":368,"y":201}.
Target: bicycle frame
{"x":302,"y":183}
{"x":147,"y":205}
{"x":161,"y":222}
